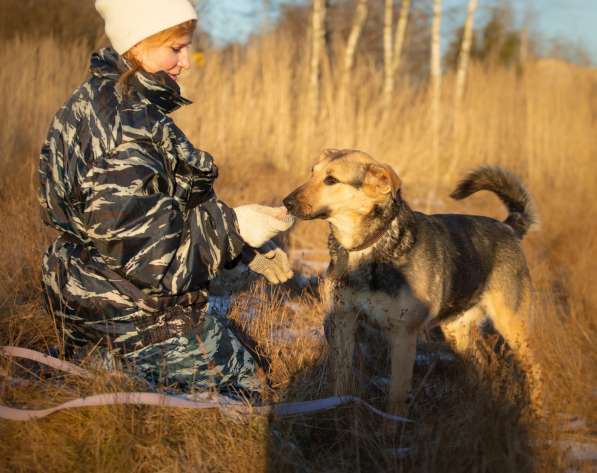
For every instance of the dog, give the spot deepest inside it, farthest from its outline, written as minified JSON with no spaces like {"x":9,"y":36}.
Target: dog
{"x":403,"y":270}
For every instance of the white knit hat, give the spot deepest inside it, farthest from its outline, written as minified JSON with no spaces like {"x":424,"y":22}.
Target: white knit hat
{"x":131,"y":21}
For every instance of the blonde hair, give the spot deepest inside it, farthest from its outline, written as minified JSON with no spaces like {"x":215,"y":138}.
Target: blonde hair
{"x":157,"y":39}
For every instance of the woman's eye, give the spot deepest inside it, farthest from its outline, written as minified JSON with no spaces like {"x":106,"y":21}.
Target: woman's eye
{"x":330,"y":181}
{"x":176,"y":50}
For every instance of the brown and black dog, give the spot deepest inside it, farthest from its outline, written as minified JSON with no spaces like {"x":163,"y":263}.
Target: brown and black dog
{"x":403,"y":270}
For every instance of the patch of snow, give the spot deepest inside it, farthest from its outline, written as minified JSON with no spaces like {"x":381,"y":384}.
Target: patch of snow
{"x":579,"y":451}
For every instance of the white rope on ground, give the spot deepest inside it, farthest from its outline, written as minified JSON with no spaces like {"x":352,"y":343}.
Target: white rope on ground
{"x":161,"y":400}
{"x":25,"y":353}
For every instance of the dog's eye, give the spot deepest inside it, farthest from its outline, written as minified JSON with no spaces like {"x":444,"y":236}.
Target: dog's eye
{"x":330,"y":181}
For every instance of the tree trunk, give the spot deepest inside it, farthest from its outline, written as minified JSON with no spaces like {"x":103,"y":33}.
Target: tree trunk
{"x":465,"y":49}
{"x":400,"y":35}
{"x":355,"y":33}
{"x":388,"y":88}
{"x":318,"y":33}
{"x":360,"y":16}
{"x":436,"y":68}
{"x":436,"y":78}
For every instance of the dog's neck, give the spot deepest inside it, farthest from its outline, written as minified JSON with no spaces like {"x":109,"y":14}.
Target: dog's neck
{"x":388,"y":235}
{"x":400,"y":235}
{"x":357,"y":233}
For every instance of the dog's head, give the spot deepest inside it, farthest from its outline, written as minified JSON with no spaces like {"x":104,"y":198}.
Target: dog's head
{"x":349,"y":189}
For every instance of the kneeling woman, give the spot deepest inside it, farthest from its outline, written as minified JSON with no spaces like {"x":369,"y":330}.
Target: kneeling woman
{"x":141,"y":231}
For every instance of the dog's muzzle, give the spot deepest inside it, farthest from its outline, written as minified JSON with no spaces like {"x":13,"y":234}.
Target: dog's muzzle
{"x":302,"y":211}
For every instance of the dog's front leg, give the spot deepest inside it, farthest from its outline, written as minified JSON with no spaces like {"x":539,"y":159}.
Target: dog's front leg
{"x":342,"y":326}
{"x":403,"y":345}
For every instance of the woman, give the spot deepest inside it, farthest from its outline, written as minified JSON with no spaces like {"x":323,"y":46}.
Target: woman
{"x":141,"y":230}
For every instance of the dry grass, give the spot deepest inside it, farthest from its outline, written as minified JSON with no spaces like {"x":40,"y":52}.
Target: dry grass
{"x":249,"y":112}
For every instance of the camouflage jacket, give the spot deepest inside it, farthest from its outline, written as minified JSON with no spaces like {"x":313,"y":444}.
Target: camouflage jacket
{"x":141,"y":229}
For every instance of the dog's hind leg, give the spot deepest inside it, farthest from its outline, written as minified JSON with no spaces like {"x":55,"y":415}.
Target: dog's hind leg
{"x":459,"y":331}
{"x":509,"y":307}
{"x":341,"y":328}
{"x":403,"y":344}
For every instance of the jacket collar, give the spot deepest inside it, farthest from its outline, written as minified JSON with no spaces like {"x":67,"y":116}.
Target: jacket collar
{"x":159,"y":88}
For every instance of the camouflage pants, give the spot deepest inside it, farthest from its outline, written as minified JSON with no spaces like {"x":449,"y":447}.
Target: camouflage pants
{"x":203,"y":355}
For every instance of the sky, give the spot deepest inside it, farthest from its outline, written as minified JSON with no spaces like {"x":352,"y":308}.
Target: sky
{"x":572,"y":20}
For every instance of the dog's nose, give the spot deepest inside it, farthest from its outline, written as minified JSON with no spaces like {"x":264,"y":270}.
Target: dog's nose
{"x":290,"y":203}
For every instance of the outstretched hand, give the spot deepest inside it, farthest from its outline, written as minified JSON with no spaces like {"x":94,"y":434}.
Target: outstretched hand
{"x":259,"y":223}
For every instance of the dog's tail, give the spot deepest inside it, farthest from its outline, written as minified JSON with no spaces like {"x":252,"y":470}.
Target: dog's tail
{"x":510,"y":190}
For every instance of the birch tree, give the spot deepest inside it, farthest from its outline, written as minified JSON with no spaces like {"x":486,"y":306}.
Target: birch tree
{"x":400,"y":35}
{"x":317,"y":40}
{"x":358,"y":23}
{"x":436,"y":68}
{"x":388,"y":24}
{"x":465,"y":49}
{"x":524,"y":35}
{"x":393,"y":45}
{"x":436,"y":84}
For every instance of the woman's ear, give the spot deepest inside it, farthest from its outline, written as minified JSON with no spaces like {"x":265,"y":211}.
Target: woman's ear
{"x":381,"y":179}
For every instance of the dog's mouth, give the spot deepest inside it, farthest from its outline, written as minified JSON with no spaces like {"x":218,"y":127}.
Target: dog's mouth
{"x":302,"y":210}
{"x":308,"y":214}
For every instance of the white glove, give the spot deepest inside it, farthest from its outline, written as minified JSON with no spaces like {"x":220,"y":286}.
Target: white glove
{"x":269,"y":261}
{"x":258,"y":223}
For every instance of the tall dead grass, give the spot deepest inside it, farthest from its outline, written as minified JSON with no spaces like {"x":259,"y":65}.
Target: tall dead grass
{"x":250,"y":112}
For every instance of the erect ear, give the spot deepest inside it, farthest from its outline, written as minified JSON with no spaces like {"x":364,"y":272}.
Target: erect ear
{"x":381,"y":179}
{"x":327,"y":153}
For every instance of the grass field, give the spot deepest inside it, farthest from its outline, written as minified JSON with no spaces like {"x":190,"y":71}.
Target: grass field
{"x":249,"y":112}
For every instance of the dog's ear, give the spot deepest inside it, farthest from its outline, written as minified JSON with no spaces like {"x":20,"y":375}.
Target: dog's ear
{"x":381,"y":179}
{"x":327,"y":153}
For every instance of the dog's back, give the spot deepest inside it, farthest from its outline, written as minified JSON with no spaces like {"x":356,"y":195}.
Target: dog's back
{"x":458,"y":255}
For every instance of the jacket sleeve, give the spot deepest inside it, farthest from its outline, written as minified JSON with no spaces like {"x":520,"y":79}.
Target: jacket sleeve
{"x":141,"y":229}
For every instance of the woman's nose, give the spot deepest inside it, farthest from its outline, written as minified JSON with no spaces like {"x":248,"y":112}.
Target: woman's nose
{"x":184,"y":58}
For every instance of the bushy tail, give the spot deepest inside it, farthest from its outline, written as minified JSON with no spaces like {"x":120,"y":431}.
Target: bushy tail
{"x":508,"y":188}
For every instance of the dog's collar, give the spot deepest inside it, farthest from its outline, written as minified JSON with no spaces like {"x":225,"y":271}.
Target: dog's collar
{"x":392,"y":233}
{"x":391,"y":242}
{"x":369,"y":242}
{"x":372,"y":242}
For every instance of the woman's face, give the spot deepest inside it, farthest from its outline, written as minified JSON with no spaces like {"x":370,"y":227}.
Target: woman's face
{"x":171,"y":57}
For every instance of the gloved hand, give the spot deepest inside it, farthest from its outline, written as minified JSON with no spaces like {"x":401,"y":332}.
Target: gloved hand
{"x":258,"y":223}
{"x":269,"y":261}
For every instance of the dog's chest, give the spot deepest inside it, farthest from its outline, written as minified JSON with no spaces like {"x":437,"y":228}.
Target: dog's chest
{"x":366,"y":273}
{"x":374,"y":289}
